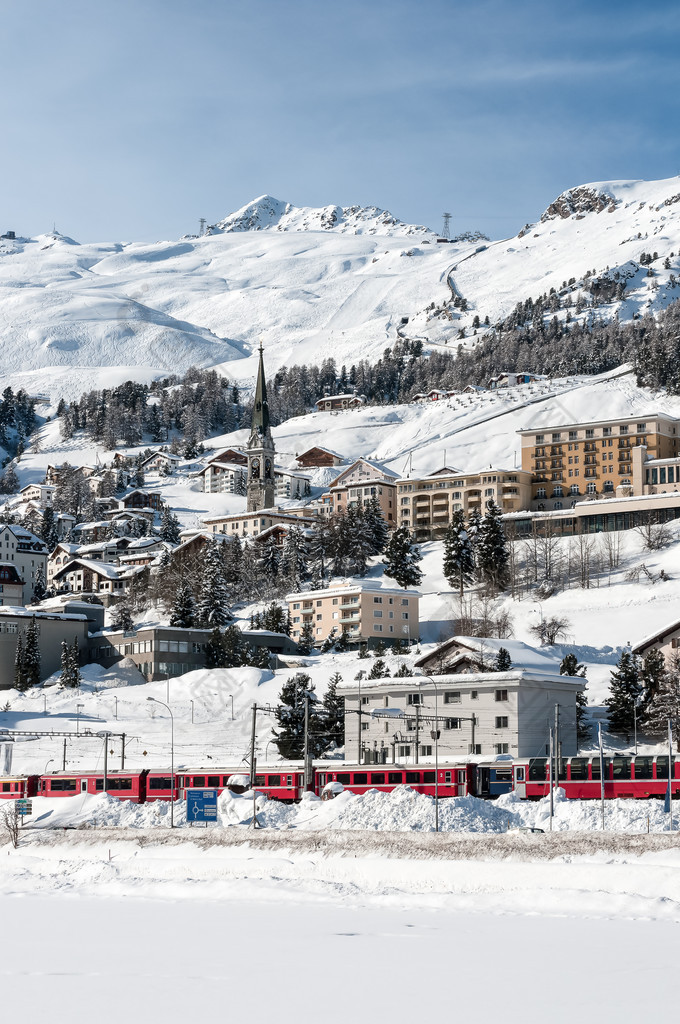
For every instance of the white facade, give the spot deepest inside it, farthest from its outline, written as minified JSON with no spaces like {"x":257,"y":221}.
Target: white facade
{"x":484,"y":714}
{"x":26,"y":552}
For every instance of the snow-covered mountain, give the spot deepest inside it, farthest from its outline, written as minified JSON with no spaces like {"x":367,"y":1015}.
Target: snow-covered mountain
{"x":316,"y":283}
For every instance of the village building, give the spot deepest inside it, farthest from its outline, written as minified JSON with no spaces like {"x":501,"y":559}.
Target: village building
{"x":219,"y":477}
{"x":363,"y":609}
{"x":25,"y":551}
{"x":161,"y":460}
{"x":43,"y":494}
{"x":339,"y":403}
{"x":234,"y":456}
{"x":426,"y":504}
{"x":318,"y":456}
{"x":161,"y":652}
{"x":11,"y":585}
{"x":260,"y":488}
{"x":478,"y":711}
{"x":596,"y":459}
{"x":666,"y":640}
{"x":244,"y":524}
{"x":362,"y":481}
{"x":53,"y":628}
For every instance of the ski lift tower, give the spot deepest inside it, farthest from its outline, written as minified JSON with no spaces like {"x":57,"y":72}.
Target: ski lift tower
{"x":446,"y":231}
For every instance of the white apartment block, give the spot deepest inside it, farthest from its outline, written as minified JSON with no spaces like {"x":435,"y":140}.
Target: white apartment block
{"x":487,"y":714}
{"x":364,"y":610}
{"x":26,"y":552}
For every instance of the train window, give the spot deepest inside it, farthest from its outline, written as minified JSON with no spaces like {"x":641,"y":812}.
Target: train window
{"x":63,"y":785}
{"x":98,"y":784}
{"x":561,"y":768}
{"x":520,"y":774}
{"x":274,"y":780}
{"x":579,"y":768}
{"x":344,"y":777}
{"x":537,"y":769}
{"x":289,"y":780}
{"x":120,"y":784}
{"x":378,"y":779}
{"x":644,"y":767}
{"x":260,"y":780}
{"x":621,"y":767}
{"x":447,"y":776}
{"x":213,"y":780}
{"x":461,"y":776}
{"x":162,"y":782}
{"x":595,"y":768}
{"x":394,"y":778}
{"x":428,"y":776}
{"x":360,"y":778}
{"x":5,"y":787}
{"x":199,"y":780}
{"x":503,"y":775}
{"x":413,"y":776}
{"x":662,"y":767}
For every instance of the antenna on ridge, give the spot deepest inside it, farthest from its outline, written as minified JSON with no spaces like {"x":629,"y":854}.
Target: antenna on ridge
{"x":446,"y":231}
{"x":202,"y":226}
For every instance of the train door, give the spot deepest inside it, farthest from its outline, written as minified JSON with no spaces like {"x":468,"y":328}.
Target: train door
{"x":519,"y":778}
{"x":83,"y":785}
{"x":483,"y":782}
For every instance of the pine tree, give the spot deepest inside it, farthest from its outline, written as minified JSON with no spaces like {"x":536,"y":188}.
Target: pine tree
{"x":48,"y":529}
{"x":236,"y":649}
{"x":184,"y":608}
{"x":293,"y":569}
{"x":401,"y":559}
{"x":459,"y":557}
{"x":503,"y":660}
{"x":122,"y":617}
{"x":330,"y":641}
{"x":19,"y":666}
{"x":344,"y":642}
{"x":376,"y":527}
{"x":75,"y":663}
{"x":212,"y":606}
{"x":215,"y":649}
{"x":379,"y":670}
{"x":625,"y":693}
{"x":403,"y":671}
{"x":70,"y":670}
{"x":170,"y":526}
{"x":260,"y":658}
{"x":570,"y":666}
{"x":39,"y":588}
{"x":32,"y":654}
{"x":492,"y":550}
{"x":306,"y":639}
{"x":664,"y":704}
{"x":652,"y":675}
{"x":290,"y":715}
{"x":334,"y":712}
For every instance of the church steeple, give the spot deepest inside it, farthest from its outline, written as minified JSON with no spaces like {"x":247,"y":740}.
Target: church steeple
{"x":260,"y":448}
{"x":260,"y":421}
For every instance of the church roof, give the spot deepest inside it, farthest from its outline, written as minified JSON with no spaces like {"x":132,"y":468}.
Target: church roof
{"x":260,"y":421}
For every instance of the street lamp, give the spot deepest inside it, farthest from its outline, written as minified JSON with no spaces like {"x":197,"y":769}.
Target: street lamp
{"x":192,"y":711}
{"x":116,"y":711}
{"x":172,"y":757}
{"x":231,"y":698}
{"x":51,"y":761}
{"x":435,"y":736}
{"x":78,"y":709}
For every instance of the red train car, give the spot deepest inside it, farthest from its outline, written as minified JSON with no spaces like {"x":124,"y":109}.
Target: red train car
{"x":639,"y":777}
{"x":452,"y":780}
{"x":126,"y":785}
{"x":284,"y":783}
{"x":18,"y":787}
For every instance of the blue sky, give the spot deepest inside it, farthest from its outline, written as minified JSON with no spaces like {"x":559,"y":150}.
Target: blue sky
{"x":130,"y":119}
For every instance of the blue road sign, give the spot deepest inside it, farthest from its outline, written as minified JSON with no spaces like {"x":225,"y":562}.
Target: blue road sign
{"x":201,"y":805}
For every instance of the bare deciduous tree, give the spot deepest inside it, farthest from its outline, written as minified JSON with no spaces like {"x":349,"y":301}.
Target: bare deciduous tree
{"x":9,"y":824}
{"x":549,"y":631}
{"x":655,"y":536}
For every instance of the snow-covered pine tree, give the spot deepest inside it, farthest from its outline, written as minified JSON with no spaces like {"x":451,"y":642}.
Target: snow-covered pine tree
{"x":290,"y":715}
{"x":39,"y":587}
{"x":65,"y":677}
{"x":652,"y":675}
{"x":492,"y":554}
{"x":306,"y":639}
{"x":293,"y":569}
{"x":376,"y":527}
{"x":625,"y":691}
{"x":75,"y":663}
{"x":260,"y":657}
{"x":212,"y":608}
{"x":269,"y":561}
{"x":170,"y":526}
{"x":330,"y":641}
{"x":334,"y":712}
{"x":19,"y":666}
{"x":571,"y":666}
{"x":122,"y":616}
{"x":319,"y":546}
{"x":459,"y":557}
{"x":236,"y":650}
{"x":401,"y":559}
{"x":503,"y":660}
{"x":664,"y":704}
{"x":184,"y":608}
{"x":379,"y":670}
{"x":361,"y":547}
{"x":48,"y":529}
{"x":32,"y":654}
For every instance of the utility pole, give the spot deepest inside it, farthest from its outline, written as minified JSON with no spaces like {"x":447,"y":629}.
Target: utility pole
{"x":106,"y":760}
{"x":122,"y":751}
{"x":417,"y":730}
{"x":252,"y":748}
{"x":306,"y":761}
{"x":359,"y":728}
{"x":552,"y":804}
{"x":63,"y":763}
{"x":557,"y":746}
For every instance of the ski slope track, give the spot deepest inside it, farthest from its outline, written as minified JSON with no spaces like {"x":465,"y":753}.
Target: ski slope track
{"x":312,"y":284}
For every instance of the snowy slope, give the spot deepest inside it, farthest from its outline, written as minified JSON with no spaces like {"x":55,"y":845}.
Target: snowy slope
{"x":315,"y":283}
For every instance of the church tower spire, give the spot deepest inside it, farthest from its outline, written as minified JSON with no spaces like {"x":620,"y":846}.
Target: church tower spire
{"x":260,"y":448}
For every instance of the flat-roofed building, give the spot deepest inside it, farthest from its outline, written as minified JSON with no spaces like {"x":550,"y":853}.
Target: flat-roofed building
{"x":592,"y":459}
{"x":426,"y":504}
{"x":363,"y":609}
{"x":52,"y":627}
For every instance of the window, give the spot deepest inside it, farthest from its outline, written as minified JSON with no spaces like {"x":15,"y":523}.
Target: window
{"x":414,"y":698}
{"x":377,"y":628}
{"x":360,"y":778}
{"x":404,"y":615}
{"x":394,"y":778}
{"x":404,"y":752}
{"x":365,"y":700}
{"x":540,"y":492}
{"x":452,"y":697}
{"x":501,"y":721}
{"x":377,"y":614}
{"x":474,"y":694}
{"x":404,"y":601}
{"x":426,"y":751}
{"x":501,"y":695}
{"x":474,"y":748}
{"x":590,"y":432}
{"x":162,"y":782}
{"x":452,"y":723}
{"x":500,"y":748}
{"x":641,"y":427}
{"x":378,"y":779}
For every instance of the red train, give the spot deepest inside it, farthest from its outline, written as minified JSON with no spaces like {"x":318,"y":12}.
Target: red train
{"x":625,"y":776}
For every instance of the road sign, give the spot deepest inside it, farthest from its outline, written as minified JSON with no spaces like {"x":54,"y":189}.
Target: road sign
{"x":201,"y":805}
{"x":24,"y":807}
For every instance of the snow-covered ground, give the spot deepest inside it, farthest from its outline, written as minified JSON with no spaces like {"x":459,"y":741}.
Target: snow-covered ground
{"x":310,"y":286}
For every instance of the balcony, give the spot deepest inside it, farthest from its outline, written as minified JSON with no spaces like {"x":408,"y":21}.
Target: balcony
{"x":349,"y":618}
{"x":350,"y":605}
